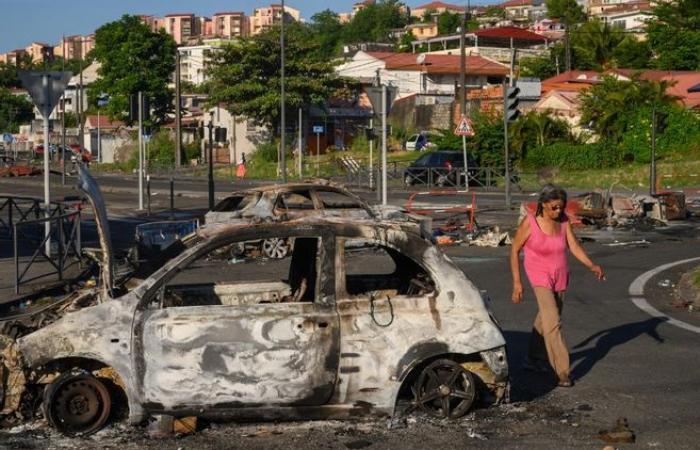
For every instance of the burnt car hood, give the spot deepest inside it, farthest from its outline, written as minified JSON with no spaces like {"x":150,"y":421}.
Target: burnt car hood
{"x":88,"y":185}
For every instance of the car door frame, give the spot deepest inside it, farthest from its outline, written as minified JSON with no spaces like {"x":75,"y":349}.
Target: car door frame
{"x":324,"y":301}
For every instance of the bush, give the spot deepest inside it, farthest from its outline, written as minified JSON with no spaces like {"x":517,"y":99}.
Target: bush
{"x":573,"y":156}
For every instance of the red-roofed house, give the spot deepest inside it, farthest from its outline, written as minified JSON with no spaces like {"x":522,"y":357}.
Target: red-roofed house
{"x":436,"y":8}
{"x":427,"y":74}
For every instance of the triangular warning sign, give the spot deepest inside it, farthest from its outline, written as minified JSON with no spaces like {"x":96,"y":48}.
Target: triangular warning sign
{"x":45,"y":95}
{"x":464,"y":128}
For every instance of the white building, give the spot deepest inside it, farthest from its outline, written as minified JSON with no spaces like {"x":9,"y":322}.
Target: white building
{"x":629,"y":20}
{"x":421,"y":74}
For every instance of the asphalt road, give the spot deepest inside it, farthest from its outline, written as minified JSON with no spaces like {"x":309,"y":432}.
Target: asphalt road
{"x":626,"y":363}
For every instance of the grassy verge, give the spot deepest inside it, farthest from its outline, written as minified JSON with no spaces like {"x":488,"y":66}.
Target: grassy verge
{"x":670,"y":174}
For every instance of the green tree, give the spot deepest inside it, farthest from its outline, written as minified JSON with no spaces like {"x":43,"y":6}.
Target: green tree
{"x":448,"y":23}
{"x":631,"y":53}
{"x":133,"y":59}
{"x":674,"y":35}
{"x":15,"y":110}
{"x":609,"y":106}
{"x":595,"y":42}
{"x":428,"y":15}
{"x":541,"y":67}
{"x":8,"y":76}
{"x":495,"y":11}
{"x":327,"y":31}
{"x":245,"y":76}
{"x":375,"y":22}
{"x":568,"y":11}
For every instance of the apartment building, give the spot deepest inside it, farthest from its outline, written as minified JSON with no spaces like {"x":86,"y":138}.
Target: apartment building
{"x":39,"y":52}
{"x":229,"y":25}
{"x":195,"y":59}
{"x":13,"y":57}
{"x":182,"y":27}
{"x":264,"y":18}
{"x":75,"y":47}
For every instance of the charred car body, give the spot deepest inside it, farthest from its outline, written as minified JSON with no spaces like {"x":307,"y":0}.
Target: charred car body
{"x":360,"y":314}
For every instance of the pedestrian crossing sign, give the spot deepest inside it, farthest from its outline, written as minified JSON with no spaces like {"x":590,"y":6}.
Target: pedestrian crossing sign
{"x":464,"y":128}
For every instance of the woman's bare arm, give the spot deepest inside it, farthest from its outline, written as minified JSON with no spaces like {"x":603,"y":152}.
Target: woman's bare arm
{"x":518,"y":241}
{"x":580,"y":254}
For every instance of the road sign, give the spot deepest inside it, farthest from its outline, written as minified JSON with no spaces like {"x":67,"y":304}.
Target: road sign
{"x":318,"y":129}
{"x":45,"y":96}
{"x":374,"y":94}
{"x":465,"y":127}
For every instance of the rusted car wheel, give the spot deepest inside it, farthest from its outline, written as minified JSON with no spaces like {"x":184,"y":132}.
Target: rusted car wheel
{"x":445,"y":389}
{"x":77,"y":404}
{"x":276,"y":248}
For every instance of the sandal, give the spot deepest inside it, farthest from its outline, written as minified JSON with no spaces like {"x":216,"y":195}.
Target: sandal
{"x":565,"y":382}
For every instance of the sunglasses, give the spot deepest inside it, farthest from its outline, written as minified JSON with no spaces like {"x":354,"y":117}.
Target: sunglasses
{"x":555,"y":208}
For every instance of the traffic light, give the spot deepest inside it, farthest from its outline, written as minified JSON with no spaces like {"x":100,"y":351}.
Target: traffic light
{"x":661,"y":121}
{"x":220,"y":134}
{"x":510,"y":106}
{"x":133,"y":108}
{"x":369,"y":133}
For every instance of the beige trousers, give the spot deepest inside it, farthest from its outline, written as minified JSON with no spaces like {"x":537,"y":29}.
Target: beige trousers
{"x":547,"y":341}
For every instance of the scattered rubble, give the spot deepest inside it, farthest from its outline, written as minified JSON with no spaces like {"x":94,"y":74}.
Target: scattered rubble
{"x":620,"y":433}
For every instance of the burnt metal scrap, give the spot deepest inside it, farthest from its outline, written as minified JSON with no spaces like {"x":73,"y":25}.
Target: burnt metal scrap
{"x":603,"y":208}
{"x":320,"y":342}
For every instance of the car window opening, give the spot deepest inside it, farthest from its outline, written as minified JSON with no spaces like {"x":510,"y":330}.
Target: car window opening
{"x":379,"y":271}
{"x":295,"y":200}
{"x":240,"y":274}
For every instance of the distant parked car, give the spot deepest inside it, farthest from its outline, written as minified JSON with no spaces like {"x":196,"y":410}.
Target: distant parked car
{"x":440,"y":168}
{"x":416,"y":142}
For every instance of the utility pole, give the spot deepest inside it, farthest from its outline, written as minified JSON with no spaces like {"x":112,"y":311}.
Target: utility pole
{"x":384,"y":196}
{"x":652,"y":170}
{"x":463,"y":90}
{"x":371,"y":151}
{"x":211,"y":161}
{"x":140,"y":108}
{"x":63,"y":120}
{"x":81,"y":138}
{"x":178,"y":113}
{"x":567,"y":39}
{"x":283,"y":156}
{"x":300,"y":146}
{"x":47,"y":198}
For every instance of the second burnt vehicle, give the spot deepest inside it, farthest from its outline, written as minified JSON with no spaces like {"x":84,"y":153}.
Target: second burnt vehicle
{"x":317,"y":198}
{"x":361,"y":315}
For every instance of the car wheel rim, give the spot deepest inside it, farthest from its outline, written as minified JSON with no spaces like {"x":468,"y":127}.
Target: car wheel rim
{"x":275,"y":248}
{"x":445,"y":389}
{"x":80,"y":406}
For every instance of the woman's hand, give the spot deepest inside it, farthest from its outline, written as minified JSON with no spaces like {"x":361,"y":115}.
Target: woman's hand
{"x":598,"y":271}
{"x":517,"y":292}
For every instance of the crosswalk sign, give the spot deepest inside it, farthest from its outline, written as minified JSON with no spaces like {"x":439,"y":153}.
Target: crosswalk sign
{"x":464,"y":128}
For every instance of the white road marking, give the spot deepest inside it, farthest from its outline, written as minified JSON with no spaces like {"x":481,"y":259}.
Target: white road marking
{"x":636,"y":290}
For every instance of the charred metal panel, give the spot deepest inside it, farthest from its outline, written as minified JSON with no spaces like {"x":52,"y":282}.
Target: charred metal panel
{"x":279,"y":354}
{"x":89,"y":186}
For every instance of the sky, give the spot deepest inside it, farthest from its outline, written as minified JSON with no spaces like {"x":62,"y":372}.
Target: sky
{"x":26,"y":21}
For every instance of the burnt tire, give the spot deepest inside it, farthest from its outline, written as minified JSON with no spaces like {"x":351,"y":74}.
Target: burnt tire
{"x":445,"y":389}
{"x":77,"y":403}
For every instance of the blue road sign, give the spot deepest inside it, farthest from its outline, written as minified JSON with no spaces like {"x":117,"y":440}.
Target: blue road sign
{"x":318,"y":129}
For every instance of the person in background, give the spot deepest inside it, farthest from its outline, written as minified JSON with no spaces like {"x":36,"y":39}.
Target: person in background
{"x":546,"y":238}
{"x":242,"y":166}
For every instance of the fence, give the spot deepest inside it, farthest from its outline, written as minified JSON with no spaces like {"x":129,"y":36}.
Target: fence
{"x":24,"y":219}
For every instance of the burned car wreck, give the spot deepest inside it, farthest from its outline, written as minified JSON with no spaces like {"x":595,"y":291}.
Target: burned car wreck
{"x":358,"y":316}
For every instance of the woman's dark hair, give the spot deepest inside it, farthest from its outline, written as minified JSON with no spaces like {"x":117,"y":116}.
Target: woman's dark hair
{"x":548,"y":193}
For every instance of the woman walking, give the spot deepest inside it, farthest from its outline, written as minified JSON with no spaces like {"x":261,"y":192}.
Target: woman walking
{"x":545,"y":237}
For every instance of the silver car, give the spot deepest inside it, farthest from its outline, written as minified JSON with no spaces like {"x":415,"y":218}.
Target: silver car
{"x":361,"y":316}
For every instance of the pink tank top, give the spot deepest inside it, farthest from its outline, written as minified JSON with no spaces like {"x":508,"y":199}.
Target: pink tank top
{"x":546,"y":263}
